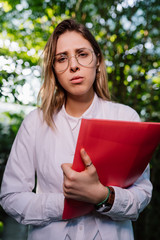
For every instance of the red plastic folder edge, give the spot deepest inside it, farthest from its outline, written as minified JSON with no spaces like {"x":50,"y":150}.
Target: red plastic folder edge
{"x":120,"y":151}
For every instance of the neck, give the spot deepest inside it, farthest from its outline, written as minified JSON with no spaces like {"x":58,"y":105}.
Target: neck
{"x":76,"y":106}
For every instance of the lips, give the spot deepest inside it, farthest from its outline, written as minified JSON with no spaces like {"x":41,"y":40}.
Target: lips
{"x":77,"y":79}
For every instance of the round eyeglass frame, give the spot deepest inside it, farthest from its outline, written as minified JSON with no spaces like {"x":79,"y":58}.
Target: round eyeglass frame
{"x":75,"y":55}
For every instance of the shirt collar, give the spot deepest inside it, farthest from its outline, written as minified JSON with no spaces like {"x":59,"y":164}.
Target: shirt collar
{"x":88,"y":114}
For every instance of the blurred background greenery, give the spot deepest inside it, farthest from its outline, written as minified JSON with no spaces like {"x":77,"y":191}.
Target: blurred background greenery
{"x":128,"y":33}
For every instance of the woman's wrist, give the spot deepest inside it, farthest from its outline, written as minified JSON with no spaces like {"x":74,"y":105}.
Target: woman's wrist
{"x":107,"y":203}
{"x":100,"y":203}
{"x":102,"y":193}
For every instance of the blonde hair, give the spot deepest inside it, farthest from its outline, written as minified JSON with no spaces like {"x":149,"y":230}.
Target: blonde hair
{"x":51,"y":94}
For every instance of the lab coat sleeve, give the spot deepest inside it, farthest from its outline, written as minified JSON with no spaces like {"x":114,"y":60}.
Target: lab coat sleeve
{"x":17,"y":196}
{"x":130,"y":202}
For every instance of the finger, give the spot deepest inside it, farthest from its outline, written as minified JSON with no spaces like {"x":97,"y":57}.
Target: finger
{"x":86,"y":159}
{"x":66,"y":168}
{"x":68,"y":171}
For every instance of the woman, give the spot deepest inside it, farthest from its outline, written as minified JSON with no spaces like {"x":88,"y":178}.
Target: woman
{"x":75,"y":87}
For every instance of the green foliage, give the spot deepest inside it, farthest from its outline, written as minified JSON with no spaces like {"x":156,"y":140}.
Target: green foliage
{"x":1,"y":227}
{"x":128,"y":33}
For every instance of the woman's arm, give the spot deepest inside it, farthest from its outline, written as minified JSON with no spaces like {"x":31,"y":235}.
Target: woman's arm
{"x":85,"y":186}
{"x":128,"y":203}
{"x":17,"y":197}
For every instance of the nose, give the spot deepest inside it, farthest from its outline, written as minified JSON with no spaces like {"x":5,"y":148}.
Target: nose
{"x":73,"y":64}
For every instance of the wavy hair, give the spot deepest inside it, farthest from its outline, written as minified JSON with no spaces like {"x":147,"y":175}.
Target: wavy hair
{"x":51,"y":95}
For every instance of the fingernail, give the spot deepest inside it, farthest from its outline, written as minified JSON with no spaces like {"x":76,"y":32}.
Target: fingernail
{"x":83,"y":151}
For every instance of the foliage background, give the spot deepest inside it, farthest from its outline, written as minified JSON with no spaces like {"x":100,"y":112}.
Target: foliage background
{"x":128,"y":33}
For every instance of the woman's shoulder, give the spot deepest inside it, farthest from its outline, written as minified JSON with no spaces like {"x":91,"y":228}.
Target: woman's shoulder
{"x":120,"y":106}
{"x":33,"y":118}
{"x":120,"y":111}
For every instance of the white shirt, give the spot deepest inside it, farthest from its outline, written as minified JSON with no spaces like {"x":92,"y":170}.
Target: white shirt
{"x":37,"y":148}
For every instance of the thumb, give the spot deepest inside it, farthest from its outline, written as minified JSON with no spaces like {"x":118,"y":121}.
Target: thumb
{"x":63,"y":165}
{"x":86,"y":159}
{"x":66,"y":167}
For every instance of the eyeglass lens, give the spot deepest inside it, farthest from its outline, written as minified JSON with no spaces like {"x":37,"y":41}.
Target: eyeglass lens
{"x":84,"y":57}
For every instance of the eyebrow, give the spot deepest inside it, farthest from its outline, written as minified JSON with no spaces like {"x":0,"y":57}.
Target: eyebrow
{"x":76,"y":50}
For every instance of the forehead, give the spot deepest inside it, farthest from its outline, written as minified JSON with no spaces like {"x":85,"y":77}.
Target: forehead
{"x":69,"y":41}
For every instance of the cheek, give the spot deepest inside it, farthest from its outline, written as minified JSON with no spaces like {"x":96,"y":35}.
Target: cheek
{"x":92,"y":74}
{"x":61,"y":79}
{"x":62,"y":82}
{"x":92,"y":71}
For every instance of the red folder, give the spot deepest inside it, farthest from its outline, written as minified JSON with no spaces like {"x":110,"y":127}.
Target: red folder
{"x":120,"y":151}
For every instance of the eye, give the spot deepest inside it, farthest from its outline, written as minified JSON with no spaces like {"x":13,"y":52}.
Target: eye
{"x":83,"y":54}
{"x":61,"y":58}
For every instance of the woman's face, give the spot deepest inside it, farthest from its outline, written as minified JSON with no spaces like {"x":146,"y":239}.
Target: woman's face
{"x":75,"y":78}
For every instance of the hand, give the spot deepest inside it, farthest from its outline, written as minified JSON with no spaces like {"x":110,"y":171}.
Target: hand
{"x":83,"y":186}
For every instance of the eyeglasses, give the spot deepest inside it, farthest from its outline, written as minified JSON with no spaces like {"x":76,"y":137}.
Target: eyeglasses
{"x":84,"y":57}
